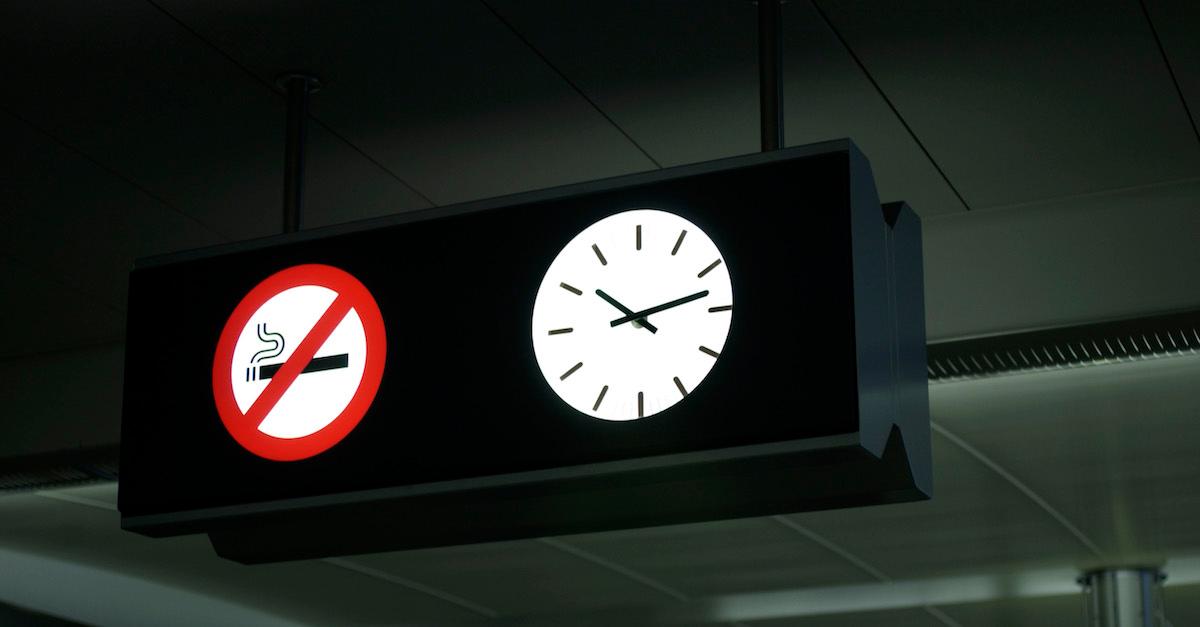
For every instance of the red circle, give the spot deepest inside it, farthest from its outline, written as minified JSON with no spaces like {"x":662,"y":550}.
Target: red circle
{"x":291,"y":449}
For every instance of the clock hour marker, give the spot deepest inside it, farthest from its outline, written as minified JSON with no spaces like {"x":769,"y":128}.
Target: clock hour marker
{"x":570,"y":289}
{"x":708,"y":269}
{"x":572,"y":370}
{"x":641,"y":413}
{"x":603,"y":391}
{"x":721,"y":308}
{"x":639,"y":237}
{"x":599,"y":255}
{"x":710,"y":352}
{"x":678,"y":242}
{"x":679,"y":385}
{"x":560,"y":331}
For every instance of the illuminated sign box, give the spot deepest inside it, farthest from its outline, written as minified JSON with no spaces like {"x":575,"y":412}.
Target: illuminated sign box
{"x":815,"y":397}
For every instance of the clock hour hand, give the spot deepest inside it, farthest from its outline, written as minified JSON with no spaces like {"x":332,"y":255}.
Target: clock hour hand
{"x":653,"y":310}
{"x":625,"y":310}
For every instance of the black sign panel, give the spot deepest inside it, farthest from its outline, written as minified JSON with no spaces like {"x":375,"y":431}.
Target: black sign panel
{"x":816,"y":371}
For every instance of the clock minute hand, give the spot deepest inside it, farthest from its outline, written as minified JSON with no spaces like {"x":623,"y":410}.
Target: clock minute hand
{"x":663,"y":307}
{"x":625,"y":310}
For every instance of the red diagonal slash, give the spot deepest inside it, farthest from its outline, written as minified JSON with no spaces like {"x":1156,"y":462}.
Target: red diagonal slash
{"x":303,"y":354}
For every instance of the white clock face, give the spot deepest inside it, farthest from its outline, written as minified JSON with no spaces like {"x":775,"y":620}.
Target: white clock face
{"x":632,"y":314}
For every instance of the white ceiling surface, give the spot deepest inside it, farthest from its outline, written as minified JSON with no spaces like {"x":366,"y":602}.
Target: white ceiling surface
{"x":137,"y":131}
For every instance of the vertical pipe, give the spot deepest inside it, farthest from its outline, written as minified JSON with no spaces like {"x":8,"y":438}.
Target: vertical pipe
{"x":298,"y":88}
{"x":1124,"y":597}
{"x":770,"y":74}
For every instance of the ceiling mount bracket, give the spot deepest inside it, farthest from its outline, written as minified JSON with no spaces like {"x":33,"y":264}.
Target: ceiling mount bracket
{"x":770,"y":74}
{"x":298,"y":86}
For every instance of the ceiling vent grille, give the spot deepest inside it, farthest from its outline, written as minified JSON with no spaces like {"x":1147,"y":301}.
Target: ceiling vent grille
{"x":1066,"y":347}
{"x":59,"y":470}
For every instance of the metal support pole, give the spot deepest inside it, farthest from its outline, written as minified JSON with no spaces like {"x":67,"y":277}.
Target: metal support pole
{"x":1124,"y":597}
{"x":770,"y":74}
{"x":298,"y":88}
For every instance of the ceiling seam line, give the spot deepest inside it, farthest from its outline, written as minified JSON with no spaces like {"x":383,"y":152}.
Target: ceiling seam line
{"x":1111,"y":191}
{"x":258,"y":79}
{"x":834,"y":548}
{"x":114,"y":172}
{"x":857,"y":562}
{"x":1162,"y":50}
{"x":612,"y":566}
{"x":1020,"y":486}
{"x":888,"y":101}
{"x":570,"y":83}
{"x":941,"y":616}
{"x":329,"y":129}
{"x":415,"y":586}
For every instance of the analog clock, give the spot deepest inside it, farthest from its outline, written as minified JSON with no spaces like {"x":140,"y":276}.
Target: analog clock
{"x":632,"y":314}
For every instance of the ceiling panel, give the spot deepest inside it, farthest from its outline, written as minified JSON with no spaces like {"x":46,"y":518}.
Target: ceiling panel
{"x":1177,"y":22}
{"x":1112,"y":447}
{"x":439,"y":92}
{"x":516,"y":578}
{"x":1067,"y":261}
{"x":43,"y":314}
{"x":11,"y":615}
{"x":341,"y":185}
{"x":61,"y":400}
{"x":71,"y":221}
{"x":308,"y":592}
{"x":131,"y":89}
{"x":723,"y":557}
{"x":681,"y":78}
{"x":976,"y":522}
{"x":1028,"y":100}
{"x":827,"y":96}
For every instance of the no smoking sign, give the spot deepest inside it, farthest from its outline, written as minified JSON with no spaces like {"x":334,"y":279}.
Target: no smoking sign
{"x":299,"y":362}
